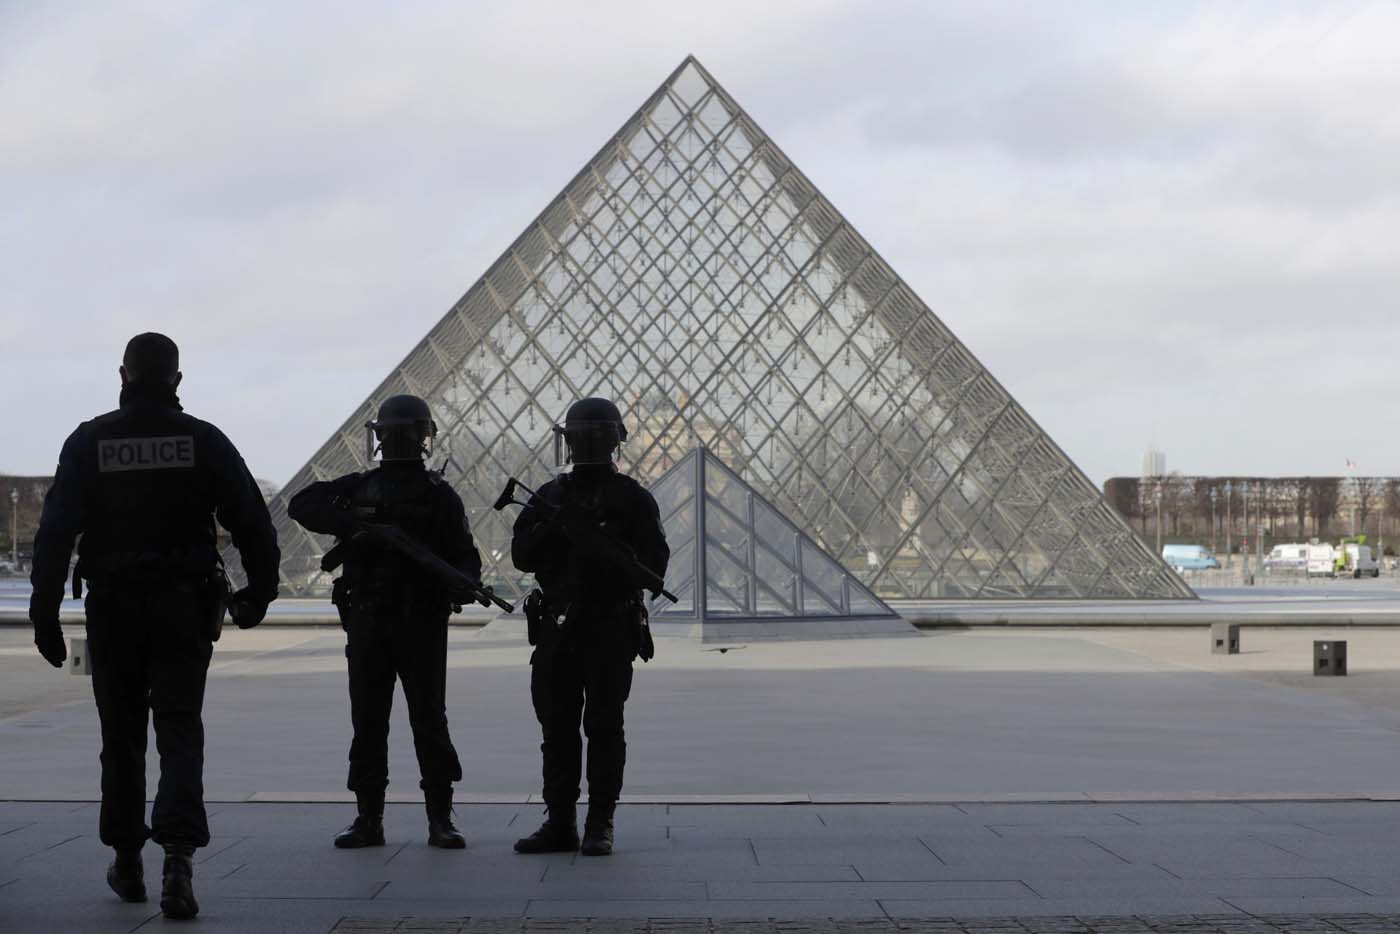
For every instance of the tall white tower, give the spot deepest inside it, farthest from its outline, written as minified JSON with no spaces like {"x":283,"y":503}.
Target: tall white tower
{"x":1154,"y":462}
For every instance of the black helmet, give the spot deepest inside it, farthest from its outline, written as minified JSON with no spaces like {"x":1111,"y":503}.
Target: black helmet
{"x":593,"y":430}
{"x":404,"y":427}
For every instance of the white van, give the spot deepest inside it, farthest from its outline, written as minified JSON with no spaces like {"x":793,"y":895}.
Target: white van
{"x":1322,"y":561}
{"x":1359,"y":561}
{"x":1292,"y":556}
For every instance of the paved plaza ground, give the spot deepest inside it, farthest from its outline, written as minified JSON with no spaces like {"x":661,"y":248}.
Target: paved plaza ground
{"x":973,"y":775}
{"x":271,"y":868}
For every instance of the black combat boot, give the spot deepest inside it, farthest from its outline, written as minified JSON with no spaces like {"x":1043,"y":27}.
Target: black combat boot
{"x":368,"y":828}
{"x":598,"y":830}
{"x":177,"y":883}
{"x":441,"y":832}
{"x":558,"y":833}
{"x":127,"y":876}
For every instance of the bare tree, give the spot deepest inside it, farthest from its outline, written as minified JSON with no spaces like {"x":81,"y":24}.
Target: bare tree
{"x":1276,"y":500}
{"x":1174,"y":501}
{"x":1301,"y":490}
{"x":1201,"y":488}
{"x":1123,"y":495}
{"x":1324,"y":494}
{"x":1368,"y":494}
{"x":1392,"y":502}
{"x":1147,"y":504}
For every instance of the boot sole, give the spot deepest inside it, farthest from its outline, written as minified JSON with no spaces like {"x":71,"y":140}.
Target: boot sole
{"x":532,"y":851}
{"x":458,"y":844}
{"x":357,"y":846}
{"x":177,"y":909}
{"x":594,"y":851}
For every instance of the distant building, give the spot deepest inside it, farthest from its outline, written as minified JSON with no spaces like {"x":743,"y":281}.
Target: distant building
{"x":1154,"y":462}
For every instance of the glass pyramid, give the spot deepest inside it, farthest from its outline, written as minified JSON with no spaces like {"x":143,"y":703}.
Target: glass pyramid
{"x":691,"y":273}
{"x":735,"y":559}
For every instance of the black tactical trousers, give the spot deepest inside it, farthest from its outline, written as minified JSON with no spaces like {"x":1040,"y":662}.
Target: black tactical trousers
{"x":147,"y":654}
{"x":413,"y":649}
{"x":573,"y":681}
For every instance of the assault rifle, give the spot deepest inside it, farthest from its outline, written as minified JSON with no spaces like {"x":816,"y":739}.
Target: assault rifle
{"x":458,"y":584}
{"x":587,"y":534}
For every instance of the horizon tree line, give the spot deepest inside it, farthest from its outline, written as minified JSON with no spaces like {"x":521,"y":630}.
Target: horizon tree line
{"x":1214,"y":511}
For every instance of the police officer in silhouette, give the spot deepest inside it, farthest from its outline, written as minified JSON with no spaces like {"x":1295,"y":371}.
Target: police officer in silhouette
{"x":143,"y":485}
{"x":581,"y":669}
{"x":395,"y":613}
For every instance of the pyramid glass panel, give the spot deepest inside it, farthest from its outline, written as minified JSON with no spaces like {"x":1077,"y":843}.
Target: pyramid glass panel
{"x":691,"y":273}
{"x":757,"y":566}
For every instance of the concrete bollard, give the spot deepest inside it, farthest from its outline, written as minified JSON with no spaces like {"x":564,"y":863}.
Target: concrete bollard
{"x":78,"y":662}
{"x":1225,"y":638}
{"x":1330,"y":659}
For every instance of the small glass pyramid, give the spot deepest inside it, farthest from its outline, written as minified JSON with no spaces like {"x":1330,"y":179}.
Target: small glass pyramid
{"x":736,"y":559}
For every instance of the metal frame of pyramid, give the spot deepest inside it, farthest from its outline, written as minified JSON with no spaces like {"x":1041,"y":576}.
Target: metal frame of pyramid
{"x":741,"y":568}
{"x":693,"y":274}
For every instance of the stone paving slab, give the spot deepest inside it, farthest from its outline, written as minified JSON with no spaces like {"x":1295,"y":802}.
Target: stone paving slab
{"x":271,"y":867}
{"x":1337,"y":923}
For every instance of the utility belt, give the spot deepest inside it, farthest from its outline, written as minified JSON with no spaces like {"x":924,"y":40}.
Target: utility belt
{"x":547,"y":622}
{"x":199,"y":568}
{"x":146,"y":567}
{"x":351,"y":596}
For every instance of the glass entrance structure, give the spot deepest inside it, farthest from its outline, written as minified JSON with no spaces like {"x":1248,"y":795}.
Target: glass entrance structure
{"x":739,"y":567}
{"x":694,"y":275}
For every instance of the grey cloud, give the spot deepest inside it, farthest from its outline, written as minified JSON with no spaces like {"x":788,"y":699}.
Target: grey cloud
{"x":1107,"y":204}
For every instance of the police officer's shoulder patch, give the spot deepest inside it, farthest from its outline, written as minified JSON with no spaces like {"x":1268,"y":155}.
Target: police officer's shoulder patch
{"x":117,"y":454}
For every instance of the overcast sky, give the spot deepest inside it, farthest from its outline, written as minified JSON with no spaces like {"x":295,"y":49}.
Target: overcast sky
{"x":1159,"y":223}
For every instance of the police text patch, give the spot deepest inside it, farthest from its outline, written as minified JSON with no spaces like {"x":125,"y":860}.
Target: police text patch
{"x":145,"y":453}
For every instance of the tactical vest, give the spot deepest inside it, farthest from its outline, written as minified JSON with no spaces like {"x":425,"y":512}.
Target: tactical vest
{"x":378,"y":578}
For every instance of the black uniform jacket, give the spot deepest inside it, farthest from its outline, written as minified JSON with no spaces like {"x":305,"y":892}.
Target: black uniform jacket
{"x":143,"y":485}
{"x":572,"y":575}
{"x":402,"y":493}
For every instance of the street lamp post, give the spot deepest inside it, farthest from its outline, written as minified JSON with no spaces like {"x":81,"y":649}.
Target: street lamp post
{"x":1229,"y":522}
{"x":1352,"y":469}
{"x":1213,"y":542}
{"x":1244,"y":542}
{"x":14,"y":527}
{"x":1259,"y":526}
{"x":1159,"y":518}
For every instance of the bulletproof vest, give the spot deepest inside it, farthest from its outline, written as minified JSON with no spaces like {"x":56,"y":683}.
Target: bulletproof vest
{"x":150,"y":492}
{"x":407,"y":497}
{"x":585,"y":577}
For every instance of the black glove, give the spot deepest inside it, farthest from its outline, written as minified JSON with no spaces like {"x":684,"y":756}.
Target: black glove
{"x":247,"y":608}
{"x":48,"y":636}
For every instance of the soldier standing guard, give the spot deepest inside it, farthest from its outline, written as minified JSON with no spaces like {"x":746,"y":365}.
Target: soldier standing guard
{"x":395,"y":613}
{"x":581,"y":669}
{"x":143,"y":485}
